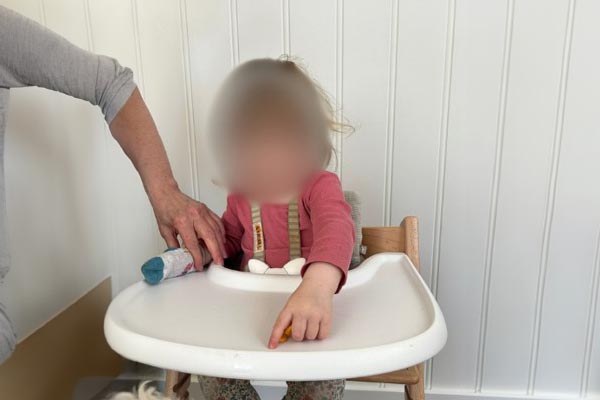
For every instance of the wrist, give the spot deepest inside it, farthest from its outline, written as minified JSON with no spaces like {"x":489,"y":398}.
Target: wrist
{"x":162,"y":189}
{"x":323,"y":276}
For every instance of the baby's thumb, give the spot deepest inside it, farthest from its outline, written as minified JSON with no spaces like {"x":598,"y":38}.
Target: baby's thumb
{"x":283,"y":321}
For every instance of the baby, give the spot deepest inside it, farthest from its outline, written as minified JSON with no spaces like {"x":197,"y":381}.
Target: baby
{"x":271,"y":128}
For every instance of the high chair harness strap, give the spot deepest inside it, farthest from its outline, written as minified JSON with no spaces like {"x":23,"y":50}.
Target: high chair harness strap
{"x":293,"y":231}
{"x":257,"y":232}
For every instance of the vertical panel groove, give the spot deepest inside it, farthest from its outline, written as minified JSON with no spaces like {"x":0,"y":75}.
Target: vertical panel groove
{"x":42,"y":12}
{"x":286,"y":44}
{"x":551,"y":195}
{"x":189,"y":110}
{"x":106,"y":172}
{"x":339,"y":81}
{"x":138,"y":47}
{"x":140,"y":81}
{"x":441,"y":170}
{"x":489,"y":251}
{"x":88,"y":25}
{"x":391,"y":116}
{"x":591,"y":324}
{"x":233,"y":26}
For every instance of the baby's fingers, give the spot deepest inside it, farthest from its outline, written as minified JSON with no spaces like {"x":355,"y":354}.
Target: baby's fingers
{"x":312,"y":328}
{"x":298,"y":328}
{"x":283,"y":321}
{"x":325,"y":328}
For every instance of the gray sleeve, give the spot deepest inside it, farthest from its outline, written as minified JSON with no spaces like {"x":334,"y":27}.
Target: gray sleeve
{"x":31,"y":55}
{"x":8,"y":339}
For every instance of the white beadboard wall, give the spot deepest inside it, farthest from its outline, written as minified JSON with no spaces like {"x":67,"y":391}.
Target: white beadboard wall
{"x":479,"y":116}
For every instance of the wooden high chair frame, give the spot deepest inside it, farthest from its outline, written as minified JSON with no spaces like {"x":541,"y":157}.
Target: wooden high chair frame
{"x":403,"y":238}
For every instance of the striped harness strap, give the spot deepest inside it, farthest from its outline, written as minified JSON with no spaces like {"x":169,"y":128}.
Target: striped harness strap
{"x":293,"y":231}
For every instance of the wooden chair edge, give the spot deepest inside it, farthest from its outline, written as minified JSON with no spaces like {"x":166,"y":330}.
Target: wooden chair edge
{"x":403,"y":238}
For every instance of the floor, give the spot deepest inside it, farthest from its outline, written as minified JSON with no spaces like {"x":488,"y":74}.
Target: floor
{"x":102,"y":388}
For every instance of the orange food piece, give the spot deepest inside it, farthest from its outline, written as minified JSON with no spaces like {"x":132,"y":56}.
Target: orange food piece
{"x":286,"y":334}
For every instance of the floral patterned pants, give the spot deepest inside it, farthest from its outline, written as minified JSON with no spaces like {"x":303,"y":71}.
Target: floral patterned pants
{"x":239,"y":389}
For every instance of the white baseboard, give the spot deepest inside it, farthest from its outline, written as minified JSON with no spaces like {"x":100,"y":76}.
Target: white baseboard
{"x":465,"y":395}
{"x":359,"y":390}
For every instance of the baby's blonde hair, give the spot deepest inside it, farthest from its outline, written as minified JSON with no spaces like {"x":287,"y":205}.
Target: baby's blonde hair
{"x":270,"y":90}
{"x":143,"y":392}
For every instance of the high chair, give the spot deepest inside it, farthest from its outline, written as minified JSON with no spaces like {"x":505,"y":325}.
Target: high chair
{"x":404,"y":239}
{"x":216,"y":323}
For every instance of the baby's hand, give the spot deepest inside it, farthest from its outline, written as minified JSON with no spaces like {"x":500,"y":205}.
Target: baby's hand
{"x":308,"y":310}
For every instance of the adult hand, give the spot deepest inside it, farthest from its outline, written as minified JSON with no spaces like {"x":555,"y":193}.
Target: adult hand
{"x":180,"y":215}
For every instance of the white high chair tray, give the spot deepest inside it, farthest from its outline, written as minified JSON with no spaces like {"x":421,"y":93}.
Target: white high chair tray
{"x":217,"y":323}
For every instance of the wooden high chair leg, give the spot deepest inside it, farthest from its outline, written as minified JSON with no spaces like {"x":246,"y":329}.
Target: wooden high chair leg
{"x":177,"y":384}
{"x":416,"y":391}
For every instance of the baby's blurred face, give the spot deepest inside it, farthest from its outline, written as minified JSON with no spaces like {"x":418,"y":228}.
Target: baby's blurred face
{"x":271,"y":168}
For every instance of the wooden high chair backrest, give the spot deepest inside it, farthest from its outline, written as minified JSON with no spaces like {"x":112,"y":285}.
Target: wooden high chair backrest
{"x":403,"y":238}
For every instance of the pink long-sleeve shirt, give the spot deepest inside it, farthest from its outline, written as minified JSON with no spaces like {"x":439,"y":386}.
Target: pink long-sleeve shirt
{"x":326,"y":227}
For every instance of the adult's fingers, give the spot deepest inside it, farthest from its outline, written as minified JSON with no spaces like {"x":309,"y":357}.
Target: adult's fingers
{"x":188,"y":235}
{"x":282,"y":322}
{"x":312,"y":329}
{"x":221,"y":229}
{"x":169,"y":236}
{"x":205,"y":232}
{"x":216,"y":227}
{"x":219,"y":223}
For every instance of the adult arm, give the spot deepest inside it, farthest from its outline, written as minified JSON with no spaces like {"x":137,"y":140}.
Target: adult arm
{"x":176,"y":213}
{"x":31,"y":55}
